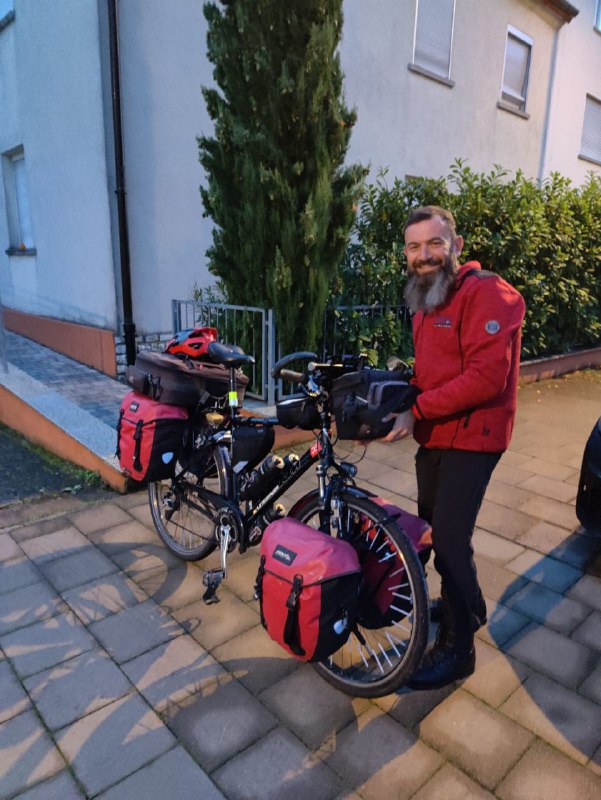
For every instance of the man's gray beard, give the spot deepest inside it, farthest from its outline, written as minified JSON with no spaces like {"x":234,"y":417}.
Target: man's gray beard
{"x":425,"y":293}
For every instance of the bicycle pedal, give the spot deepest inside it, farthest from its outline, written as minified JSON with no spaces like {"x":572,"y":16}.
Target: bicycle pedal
{"x":210,"y":596}
{"x":212,"y":578}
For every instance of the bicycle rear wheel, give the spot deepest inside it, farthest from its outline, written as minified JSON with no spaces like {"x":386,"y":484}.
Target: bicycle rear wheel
{"x":183,"y":520}
{"x":392,"y":630}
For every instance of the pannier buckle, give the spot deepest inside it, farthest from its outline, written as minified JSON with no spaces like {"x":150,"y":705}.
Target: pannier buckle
{"x":297,"y":585}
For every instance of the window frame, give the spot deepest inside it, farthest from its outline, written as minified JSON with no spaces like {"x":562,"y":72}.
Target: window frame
{"x":18,"y":208}
{"x":7,"y":13}
{"x":593,"y":159}
{"x":507,"y":104}
{"x":425,"y":70}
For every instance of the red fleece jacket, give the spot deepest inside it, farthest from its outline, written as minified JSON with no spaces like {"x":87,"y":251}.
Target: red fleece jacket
{"x":467,"y":355}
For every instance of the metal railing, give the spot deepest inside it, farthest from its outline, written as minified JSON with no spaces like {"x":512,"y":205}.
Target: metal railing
{"x":249,"y":327}
{"x":347,"y":329}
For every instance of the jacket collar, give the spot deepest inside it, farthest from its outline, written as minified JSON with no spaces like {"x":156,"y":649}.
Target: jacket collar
{"x":463,"y":270}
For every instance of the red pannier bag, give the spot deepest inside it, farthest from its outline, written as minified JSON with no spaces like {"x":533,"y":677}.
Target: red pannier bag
{"x":383,"y":599}
{"x":150,"y":437}
{"x":307,"y":585}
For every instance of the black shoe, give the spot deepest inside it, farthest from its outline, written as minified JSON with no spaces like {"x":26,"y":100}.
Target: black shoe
{"x":444,"y":664}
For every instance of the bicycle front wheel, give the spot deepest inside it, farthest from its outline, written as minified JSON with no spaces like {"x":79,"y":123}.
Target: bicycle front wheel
{"x":182,"y":518}
{"x":391,"y":634}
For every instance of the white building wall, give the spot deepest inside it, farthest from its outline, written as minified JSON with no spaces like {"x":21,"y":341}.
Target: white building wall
{"x":53,"y":58}
{"x":163,"y":65}
{"x":417,"y":126}
{"x":579,"y":74}
{"x":51,"y":105}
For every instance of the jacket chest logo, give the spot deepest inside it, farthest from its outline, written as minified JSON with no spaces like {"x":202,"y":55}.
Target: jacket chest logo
{"x":442,"y":322}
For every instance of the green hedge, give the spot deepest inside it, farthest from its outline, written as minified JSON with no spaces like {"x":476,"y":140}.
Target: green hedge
{"x":544,"y":239}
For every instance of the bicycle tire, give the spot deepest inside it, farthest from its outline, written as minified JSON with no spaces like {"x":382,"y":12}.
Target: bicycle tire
{"x":182,"y":519}
{"x":391,"y":653}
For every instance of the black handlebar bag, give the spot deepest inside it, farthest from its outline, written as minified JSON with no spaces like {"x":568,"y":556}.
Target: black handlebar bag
{"x":308,"y":587}
{"x":362,"y":399}
{"x":588,"y":500}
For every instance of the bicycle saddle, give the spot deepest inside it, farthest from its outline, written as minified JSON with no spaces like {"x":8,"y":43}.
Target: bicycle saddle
{"x":229,"y":355}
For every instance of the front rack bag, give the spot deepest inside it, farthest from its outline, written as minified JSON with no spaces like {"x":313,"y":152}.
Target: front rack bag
{"x":307,"y":584}
{"x":384,"y":598}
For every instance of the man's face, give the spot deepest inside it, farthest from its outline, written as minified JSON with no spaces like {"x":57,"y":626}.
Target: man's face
{"x":431,"y":253}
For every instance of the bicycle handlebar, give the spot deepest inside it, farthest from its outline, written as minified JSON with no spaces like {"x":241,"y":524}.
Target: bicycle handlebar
{"x":291,"y":375}
{"x":318,"y":375}
{"x":276,"y":372}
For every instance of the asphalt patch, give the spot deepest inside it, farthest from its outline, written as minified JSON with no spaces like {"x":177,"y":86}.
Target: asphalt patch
{"x":28,"y":471}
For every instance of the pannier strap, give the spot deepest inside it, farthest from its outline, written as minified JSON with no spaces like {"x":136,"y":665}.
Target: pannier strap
{"x":138,"y":441}
{"x":152,"y":386}
{"x":291,"y":636}
{"x":119,"y":421}
{"x":259,"y":589}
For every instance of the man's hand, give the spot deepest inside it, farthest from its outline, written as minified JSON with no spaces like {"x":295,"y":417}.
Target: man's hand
{"x":403,"y":426}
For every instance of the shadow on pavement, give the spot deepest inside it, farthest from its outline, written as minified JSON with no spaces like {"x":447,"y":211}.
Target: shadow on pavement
{"x":549,"y":620}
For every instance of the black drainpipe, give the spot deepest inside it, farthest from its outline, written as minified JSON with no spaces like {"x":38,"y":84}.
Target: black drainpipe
{"x":129,"y":328}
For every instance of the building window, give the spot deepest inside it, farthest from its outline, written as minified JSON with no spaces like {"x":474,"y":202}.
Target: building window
{"x":518,"y":52}
{"x":598,"y":16}
{"x":7,"y":13}
{"x":590,"y":146}
{"x":434,"y":36}
{"x":17,"y":203}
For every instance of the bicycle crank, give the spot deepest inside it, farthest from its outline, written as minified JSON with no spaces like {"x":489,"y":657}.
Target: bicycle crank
{"x":228,"y":529}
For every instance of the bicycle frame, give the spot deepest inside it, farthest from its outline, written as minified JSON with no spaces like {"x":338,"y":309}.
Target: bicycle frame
{"x":321,"y":450}
{"x":241,"y":503}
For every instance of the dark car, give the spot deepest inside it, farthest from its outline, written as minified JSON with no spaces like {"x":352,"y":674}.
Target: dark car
{"x":588,"y":501}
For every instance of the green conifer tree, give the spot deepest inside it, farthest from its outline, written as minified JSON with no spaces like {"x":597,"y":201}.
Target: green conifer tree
{"x":277,"y":189}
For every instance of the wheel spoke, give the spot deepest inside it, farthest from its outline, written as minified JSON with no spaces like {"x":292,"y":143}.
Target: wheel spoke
{"x":183,"y":519}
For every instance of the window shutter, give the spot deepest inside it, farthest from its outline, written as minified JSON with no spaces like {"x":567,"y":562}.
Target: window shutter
{"x":591,"y":130}
{"x":433,"y":35}
{"x":22,"y":196}
{"x":515,"y":75}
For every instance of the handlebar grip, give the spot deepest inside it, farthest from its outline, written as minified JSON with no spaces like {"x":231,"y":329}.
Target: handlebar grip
{"x":291,"y":375}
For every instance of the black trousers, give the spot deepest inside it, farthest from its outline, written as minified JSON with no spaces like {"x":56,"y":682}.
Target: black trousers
{"x":451,"y":485}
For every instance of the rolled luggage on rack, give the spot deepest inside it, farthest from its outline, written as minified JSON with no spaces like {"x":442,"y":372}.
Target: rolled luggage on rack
{"x":182,"y":381}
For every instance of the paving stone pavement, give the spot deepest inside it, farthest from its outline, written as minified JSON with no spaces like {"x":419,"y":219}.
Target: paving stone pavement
{"x":117,"y":683}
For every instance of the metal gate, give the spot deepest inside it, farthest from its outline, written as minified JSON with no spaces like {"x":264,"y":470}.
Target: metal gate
{"x":247,"y":326}
{"x":254,"y":330}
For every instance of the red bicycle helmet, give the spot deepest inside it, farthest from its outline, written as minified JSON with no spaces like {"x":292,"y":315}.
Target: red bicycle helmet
{"x":192,"y":342}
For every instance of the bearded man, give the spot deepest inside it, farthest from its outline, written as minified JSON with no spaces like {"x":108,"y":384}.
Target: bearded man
{"x":467,"y":332}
